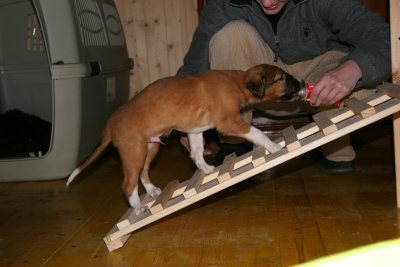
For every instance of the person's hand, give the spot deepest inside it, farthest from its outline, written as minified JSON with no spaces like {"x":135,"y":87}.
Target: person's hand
{"x":336,"y":84}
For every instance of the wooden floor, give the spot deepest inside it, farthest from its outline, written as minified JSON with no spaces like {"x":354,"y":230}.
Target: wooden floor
{"x":288,"y":215}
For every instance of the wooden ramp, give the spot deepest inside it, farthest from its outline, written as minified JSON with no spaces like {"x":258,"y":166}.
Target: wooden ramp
{"x":327,"y":126}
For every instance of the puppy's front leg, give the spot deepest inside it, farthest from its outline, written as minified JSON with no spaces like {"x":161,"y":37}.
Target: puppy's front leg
{"x":197,"y":150}
{"x":259,"y":138}
{"x":134,"y":202}
{"x":236,"y":126}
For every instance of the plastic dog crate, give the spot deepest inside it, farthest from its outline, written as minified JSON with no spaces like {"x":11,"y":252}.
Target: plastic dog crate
{"x":66,"y":62}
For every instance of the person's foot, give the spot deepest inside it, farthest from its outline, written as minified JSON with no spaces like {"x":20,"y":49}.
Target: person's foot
{"x":227,"y":149}
{"x":336,"y":167}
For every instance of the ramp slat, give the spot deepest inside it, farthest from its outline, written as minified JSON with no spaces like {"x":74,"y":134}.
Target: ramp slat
{"x":194,"y":184}
{"x":227,"y":167}
{"x":324,"y":123}
{"x":163,"y":198}
{"x":360,"y":107}
{"x":291,"y":140}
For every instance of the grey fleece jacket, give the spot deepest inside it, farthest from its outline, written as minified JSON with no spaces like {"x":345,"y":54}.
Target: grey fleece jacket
{"x":307,"y":28}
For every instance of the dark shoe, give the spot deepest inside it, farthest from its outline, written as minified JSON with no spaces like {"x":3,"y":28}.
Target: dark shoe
{"x":336,"y":167}
{"x":227,"y":149}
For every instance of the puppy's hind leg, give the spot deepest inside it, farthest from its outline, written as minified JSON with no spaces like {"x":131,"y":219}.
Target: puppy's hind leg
{"x":152,"y":150}
{"x":133,"y":158}
{"x":197,"y":151}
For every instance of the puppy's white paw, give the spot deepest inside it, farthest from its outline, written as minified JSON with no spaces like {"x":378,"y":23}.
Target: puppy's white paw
{"x":273,"y":147}
{"x":140,"y":210}
{"x":154,"y":192}
{"x":206,"y":168}
{"x":135,"y":203}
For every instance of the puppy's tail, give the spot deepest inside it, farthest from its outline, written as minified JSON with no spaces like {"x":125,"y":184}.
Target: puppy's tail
{"x":105,"y":141}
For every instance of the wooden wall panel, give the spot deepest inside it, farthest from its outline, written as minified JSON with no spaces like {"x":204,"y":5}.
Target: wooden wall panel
{"x":158,"y":35}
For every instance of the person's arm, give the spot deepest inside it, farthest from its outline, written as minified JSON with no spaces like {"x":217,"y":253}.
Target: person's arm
{"x":212,"y":19}
{"x":368,"y":62}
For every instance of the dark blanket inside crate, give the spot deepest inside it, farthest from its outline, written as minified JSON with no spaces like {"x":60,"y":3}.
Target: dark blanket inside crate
{"x":23,"y":135}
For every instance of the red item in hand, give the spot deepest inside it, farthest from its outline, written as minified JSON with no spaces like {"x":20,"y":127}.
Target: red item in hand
{"x":306,"y":90}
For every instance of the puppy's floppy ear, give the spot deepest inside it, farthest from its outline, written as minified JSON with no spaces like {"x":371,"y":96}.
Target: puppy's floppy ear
{"x":257,"y":80}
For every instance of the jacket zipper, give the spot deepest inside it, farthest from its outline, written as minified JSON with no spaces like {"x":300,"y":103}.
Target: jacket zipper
{"x":277,"y":44}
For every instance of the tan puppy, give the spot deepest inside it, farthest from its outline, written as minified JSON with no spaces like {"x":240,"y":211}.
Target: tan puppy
{"x":190,"y":104}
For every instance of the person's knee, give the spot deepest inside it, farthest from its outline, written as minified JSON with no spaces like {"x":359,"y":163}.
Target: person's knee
{"x":237,"y":45}
{"x":235,"y":27}
{"x":234,"y":30}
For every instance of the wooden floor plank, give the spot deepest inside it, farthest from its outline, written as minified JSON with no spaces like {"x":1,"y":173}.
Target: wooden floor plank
{"x":49,"y":214}
{"x":287,"y":215}
{"x":299,"y":237}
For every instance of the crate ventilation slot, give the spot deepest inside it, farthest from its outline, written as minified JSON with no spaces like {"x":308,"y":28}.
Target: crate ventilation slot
{"x":93,"y":32}
{"x":114,"y":27}
{"x":34,"y":38}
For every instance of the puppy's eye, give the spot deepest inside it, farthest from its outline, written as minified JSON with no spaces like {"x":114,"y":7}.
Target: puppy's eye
{"x":281,"y":77}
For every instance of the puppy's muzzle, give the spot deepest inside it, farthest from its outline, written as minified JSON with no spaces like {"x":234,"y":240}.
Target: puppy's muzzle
{"x":293,"y":86}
